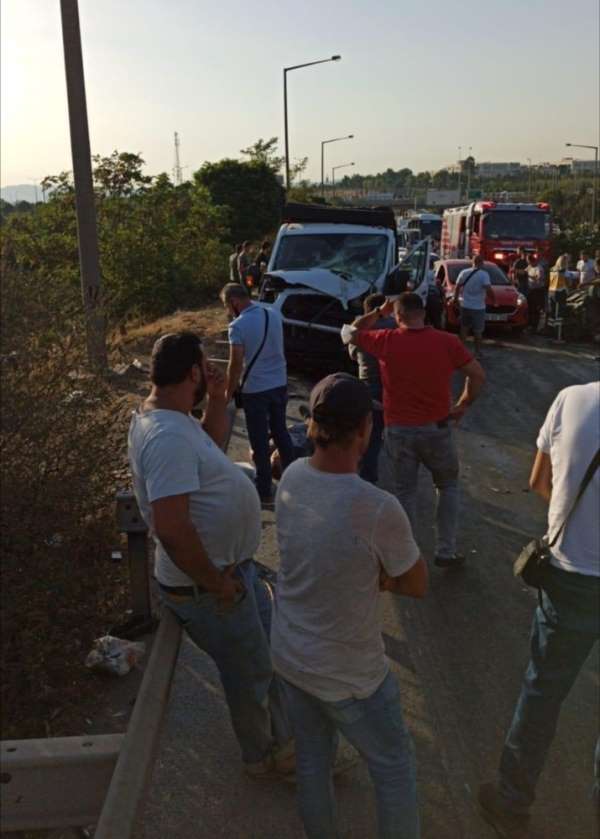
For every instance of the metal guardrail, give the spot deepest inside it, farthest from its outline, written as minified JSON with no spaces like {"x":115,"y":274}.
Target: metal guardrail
{"x":71,"y":782}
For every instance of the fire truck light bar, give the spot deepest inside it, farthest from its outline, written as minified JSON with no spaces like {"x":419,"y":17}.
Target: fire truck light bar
{"x":487,"y":205}
{"x":544,"y":205}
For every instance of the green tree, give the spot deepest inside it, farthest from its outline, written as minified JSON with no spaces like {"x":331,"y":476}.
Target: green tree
{"x":265,"y":152}
{"x":250,"y":193}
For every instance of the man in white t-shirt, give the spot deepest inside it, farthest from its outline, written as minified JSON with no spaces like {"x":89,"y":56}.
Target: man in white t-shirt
{"x":341,"y":541}
{"x":204,"y":515}
{"x":586,"y":268}
{"x":471,"y":290}
{"x":566,"y":624}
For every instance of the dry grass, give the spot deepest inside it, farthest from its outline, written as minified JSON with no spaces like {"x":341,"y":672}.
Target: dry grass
{"x":208,"y":322}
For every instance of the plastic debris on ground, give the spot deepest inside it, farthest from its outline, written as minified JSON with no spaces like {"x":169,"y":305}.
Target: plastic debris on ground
{"x":115,"y":655}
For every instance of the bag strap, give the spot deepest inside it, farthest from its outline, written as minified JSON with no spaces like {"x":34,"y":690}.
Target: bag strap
{"x":472,"y":274}
{"x":582,"y":488}
{"x":257,"y":353}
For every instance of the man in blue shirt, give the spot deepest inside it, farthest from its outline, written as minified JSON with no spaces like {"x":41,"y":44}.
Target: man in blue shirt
{"x":257,"y":366}
{"x":471,"y":289}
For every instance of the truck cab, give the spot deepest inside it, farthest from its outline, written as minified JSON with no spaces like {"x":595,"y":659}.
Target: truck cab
{"x":324,"y":262}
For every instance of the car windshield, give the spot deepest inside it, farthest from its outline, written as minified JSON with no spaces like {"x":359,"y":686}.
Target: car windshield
{"x":497,"y":275}
{"x":428,"y":227}
{"x":351,"y":255}
{"x":516,"y":225}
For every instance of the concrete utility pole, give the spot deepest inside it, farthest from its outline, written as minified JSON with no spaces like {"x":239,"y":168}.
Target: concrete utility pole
{"x":87,"y":234}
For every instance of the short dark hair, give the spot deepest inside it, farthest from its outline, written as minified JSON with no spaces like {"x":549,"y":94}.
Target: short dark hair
{"x":173,"y":356}
{"x":232,"y":291}
{"x":238,"y":248}
{"x":328,"y":434}
{"x":411,"y":302}
{"x":265,"y":245}
{"x":246,"y":244}
{"x":373,"y":301}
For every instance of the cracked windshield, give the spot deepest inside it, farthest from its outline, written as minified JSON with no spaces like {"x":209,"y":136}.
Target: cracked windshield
{"x":355,"y":257}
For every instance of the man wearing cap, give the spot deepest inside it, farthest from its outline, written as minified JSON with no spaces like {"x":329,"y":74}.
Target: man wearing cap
{"x":187,"y":488}
{"x":341,"y":541}
{"x":417,"y":364}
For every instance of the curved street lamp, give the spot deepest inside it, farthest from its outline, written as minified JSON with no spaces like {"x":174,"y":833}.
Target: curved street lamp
{"x":323,"y":144}
{"x":286,"y":70}
{"x":334,"y":170}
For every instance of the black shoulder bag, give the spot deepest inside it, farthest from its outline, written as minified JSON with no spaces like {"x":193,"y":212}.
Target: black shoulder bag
{"x":237,"y":396}
{"x":533,"y":561}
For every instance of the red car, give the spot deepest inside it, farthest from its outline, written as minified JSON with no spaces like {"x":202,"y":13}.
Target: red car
{"x":505,"y":306}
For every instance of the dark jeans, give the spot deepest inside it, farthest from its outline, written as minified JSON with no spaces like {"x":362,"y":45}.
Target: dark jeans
{"x":369,"y":465}
{"x":265,"y":411}
{"x":562,"y":636}
{"x":557,"y":303}
{"x":434,"y":307}
{"x":536,"y":303}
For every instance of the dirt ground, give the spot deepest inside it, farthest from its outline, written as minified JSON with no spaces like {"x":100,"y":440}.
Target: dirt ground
{"x":459,"y":654}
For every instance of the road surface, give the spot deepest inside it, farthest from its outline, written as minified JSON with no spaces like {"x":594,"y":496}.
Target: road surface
{"x":459,"y":654}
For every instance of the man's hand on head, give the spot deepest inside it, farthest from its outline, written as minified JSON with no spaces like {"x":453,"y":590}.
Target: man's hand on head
{"x":387,"y":308}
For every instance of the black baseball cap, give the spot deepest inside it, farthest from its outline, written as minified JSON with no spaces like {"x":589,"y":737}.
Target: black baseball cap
{"x":340,"y":398}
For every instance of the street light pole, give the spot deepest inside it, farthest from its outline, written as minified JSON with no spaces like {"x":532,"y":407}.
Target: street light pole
{"x":286,"y":70}
{"x":469,"y":172}
{"x":459,"y":173}
{"x":529,"y":179}
{"x":87,"y":234}
{"x":323,"y":144}
{"x":334,"y":170}
{"x":595,"y":187}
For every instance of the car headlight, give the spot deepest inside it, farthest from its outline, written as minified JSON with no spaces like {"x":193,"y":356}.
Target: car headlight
{"x":521,"y":300}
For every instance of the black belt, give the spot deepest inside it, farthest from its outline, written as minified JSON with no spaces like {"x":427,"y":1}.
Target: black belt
{"x":443,"y":423}
{"x":188,"y":591}
{"x":182,"y":591}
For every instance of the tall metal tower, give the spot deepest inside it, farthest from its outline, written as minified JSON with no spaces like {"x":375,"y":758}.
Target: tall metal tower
{"x":177,"y":173}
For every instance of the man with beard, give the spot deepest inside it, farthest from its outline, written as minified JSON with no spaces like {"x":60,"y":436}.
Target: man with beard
{"x":187,"y":490}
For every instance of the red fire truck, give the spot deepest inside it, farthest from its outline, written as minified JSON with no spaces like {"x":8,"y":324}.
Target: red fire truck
{"x":497,"y":231}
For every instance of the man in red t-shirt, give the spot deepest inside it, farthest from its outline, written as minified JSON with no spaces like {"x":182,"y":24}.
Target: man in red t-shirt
{"x":417,"y":363}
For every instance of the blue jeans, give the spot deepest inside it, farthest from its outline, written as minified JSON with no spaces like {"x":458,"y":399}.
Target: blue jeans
{"x":375,"y":727}
{"x":266,"y":411}
{"x":237,"y":641}
{"x":561,"y":640}
{"x":405,"y":448}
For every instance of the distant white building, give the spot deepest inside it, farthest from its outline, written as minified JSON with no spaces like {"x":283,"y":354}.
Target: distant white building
{"x":487,"y":169}
{"x":579,"y":167}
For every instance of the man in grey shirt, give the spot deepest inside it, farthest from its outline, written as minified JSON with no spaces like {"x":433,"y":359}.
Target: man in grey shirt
{"x":341,"y":541}
{"x":368,"y":372}
{"x":204,"y":515}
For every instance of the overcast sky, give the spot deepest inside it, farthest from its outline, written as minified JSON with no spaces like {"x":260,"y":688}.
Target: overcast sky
{"x":511,"y":79}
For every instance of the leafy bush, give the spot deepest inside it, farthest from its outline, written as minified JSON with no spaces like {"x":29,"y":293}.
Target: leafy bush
{"x":162,"y":246}
{"x":57,"y":508}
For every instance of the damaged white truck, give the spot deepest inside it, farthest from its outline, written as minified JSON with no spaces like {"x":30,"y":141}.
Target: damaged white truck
{"x":324,"y":262}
